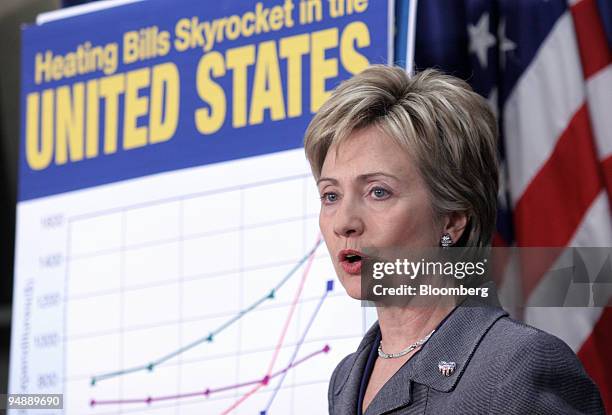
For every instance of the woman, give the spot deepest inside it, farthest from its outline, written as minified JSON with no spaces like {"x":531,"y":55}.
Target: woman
{"x":411,"y":162}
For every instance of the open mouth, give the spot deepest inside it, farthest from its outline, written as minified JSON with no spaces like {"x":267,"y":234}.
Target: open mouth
{"x":351,"y":258}
{"x":350,"y":261}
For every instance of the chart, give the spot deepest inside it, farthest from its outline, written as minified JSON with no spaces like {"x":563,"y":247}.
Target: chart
{"x":184,"y":299}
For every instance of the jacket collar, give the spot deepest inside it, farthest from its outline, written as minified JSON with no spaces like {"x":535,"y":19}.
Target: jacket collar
{"x":455,"y":341}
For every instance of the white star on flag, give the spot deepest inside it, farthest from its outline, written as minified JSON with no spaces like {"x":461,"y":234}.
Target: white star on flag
{"x":481,"y":39}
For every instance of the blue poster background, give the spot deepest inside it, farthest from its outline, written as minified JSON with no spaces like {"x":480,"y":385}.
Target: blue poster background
{"x":187,"y":147}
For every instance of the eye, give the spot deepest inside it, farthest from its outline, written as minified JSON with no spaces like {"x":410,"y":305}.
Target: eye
{"x":329,"y":197}
{"x":380,"y":193}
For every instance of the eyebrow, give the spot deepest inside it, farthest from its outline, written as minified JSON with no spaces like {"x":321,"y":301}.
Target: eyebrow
{"x":361,"y":177}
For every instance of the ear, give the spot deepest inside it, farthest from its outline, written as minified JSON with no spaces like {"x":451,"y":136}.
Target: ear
{"x":454,"y":224}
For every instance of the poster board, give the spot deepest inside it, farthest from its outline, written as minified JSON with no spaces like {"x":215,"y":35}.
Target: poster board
{"x":167,"y":252}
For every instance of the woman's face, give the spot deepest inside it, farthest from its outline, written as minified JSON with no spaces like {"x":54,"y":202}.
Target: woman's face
{"x":372,"y":196}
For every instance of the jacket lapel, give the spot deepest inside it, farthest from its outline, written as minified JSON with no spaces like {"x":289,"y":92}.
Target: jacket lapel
{"x":455,"y":341}
{"x":395,"y":394}
{"x":346,"y":390}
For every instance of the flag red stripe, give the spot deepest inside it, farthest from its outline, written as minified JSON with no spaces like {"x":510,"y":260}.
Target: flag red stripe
{"x":554,"y":203}
{"x":592,"y":43}
{"x":498,"y":240}
{"x":596,"y":358}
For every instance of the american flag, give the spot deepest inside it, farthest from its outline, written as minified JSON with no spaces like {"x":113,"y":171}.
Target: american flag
{"x":545,"y":67}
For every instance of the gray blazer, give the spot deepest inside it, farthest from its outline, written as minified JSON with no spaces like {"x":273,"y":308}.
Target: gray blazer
{"x":502,"y":367}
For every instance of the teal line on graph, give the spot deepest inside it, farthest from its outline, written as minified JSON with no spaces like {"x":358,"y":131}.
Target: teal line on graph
{"x":209,"y":337}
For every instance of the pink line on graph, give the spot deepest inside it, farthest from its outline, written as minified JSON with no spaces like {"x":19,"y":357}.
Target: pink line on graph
{"x":281,"y":340}
{"x":263,"y":382}
{"x":298,"y":294}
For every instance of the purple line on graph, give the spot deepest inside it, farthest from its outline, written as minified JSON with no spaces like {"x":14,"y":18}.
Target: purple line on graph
{"x":236,"y":386}
{"x":325,"y":349}
{"x":209,"y":391}
{"x":329,"y":287}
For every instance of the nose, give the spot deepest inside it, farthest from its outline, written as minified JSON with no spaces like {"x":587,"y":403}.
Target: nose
{"x":348,"y":220}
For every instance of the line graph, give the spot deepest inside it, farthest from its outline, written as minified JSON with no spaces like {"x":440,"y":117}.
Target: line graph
{"x":210,"y":391}
{"x":190,"y":302}
{"x":270,"y":375}
{"x":211,"y":336}
{"x":281,"y":339}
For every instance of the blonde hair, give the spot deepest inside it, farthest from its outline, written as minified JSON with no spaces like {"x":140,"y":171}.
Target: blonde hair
{"x":446,"y":127}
